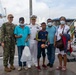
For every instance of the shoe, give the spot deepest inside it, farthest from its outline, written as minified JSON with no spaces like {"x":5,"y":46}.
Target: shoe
{"x":7,"y":69}
{"x":51,"y":65}
{"x":20,"y":68}
{"x":48,"y":64}
{"x":29,"y":66}
{"x":44,"y":66}
{"x":39,"y":68}
{"x":12,"y":67}
{"x":63,"y":68}
{"x":35,"y":64}
{"x":26,"y":68}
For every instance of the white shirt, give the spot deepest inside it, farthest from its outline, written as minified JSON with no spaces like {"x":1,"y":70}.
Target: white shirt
{"x":33,"y":29}
{"x":60,"y":30}
{"x":1,"y":22}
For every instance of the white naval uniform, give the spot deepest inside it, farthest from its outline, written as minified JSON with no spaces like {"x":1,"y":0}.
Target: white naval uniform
{"x":33,"y":43}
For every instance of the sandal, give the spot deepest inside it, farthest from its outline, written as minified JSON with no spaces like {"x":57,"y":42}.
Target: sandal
{"x":63,"y":68}
{"x":59,"y":68}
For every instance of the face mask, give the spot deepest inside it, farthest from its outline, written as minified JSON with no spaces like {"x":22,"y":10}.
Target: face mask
{"x":50,"y":24}
{"x":22,"y":24}
{"x":62,"y":22}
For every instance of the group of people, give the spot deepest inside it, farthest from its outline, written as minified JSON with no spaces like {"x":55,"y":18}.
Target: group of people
{"x":37,"y":38}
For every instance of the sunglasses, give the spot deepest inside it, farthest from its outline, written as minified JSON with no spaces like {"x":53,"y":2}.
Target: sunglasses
{"x":11,"y":17}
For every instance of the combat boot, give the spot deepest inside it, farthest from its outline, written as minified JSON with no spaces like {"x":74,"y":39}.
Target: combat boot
{"x":7,"y":69}
{"x":12,"y":67}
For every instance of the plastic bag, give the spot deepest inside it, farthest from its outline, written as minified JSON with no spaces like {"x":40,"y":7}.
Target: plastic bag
{"x":26,"y":55}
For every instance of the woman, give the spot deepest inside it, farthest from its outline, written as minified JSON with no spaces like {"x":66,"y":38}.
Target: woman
{"x":62,"y":30}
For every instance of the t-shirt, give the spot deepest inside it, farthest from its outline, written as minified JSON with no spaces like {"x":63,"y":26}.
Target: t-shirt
{"x":51,"y":33}
{"x":60,"y":30}
{"x":24,"y":32}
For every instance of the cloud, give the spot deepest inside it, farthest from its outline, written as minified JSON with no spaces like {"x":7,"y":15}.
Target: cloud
{"x":42,"y":8}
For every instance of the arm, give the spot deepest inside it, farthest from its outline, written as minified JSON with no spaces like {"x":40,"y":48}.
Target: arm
{"x":2,"y":35}
{"x":37,"y":37}
{"x":16,"y":32}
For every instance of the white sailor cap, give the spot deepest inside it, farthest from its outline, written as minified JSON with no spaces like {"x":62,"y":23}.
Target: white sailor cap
{"x":33,"y":17}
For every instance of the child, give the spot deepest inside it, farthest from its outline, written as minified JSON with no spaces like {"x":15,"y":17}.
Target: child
{"x":41,"y":37}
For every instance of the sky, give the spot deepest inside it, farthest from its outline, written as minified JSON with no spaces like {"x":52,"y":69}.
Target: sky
{"x":44,"y":9}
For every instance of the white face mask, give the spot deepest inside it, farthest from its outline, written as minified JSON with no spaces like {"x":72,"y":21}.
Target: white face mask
{"x":50,"y":24}
{"x":62,"y":22}
{"x":22,"y":24}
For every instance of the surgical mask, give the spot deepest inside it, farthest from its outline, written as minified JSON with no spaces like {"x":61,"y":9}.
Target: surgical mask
{"x":22,"y":24}
{"x":62,"y":22}
{"x":50,"y":24}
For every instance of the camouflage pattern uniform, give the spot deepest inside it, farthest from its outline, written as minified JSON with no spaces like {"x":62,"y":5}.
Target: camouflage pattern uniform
{"x":7,"y":36}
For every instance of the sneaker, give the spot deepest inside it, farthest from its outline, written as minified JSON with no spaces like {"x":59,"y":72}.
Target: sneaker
{"x":35,"y":64}
{"x":20,"y":68}
{"x":48,"y":64}
{"x":7,"y":69}
{"x":39,"y":68}
{"x":51,"y":65}
{"x":29,"y":66}
{"x":44,"y":66}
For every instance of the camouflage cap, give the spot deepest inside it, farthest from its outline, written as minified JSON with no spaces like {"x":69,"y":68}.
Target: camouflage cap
{"x":10,"y":15}
{"x":33,"y":17}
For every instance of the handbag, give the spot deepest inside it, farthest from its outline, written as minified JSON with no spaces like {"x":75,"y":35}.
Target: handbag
{"x":60,"y":44}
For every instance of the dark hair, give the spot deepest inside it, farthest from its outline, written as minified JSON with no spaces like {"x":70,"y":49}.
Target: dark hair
{"x":43,"y":23}
{"x":21,"y":19}
{"x":49,"y":19}
{"x":62,"y":17}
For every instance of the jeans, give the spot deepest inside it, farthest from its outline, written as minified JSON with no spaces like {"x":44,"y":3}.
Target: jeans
{"x":20,"y":50}
{"x":51,"y":53}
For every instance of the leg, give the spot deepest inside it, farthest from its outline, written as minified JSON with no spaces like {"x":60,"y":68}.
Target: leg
{"x":65,"y":59}
{"x":38,"y":55}
{"x":35,"y":54}
{"x":49,"y":53}
{"x":24,"y":63}
{"x":60,"y":59}
{"x":19,"y":55}
{"x":44,"y":55}
{"x":38,"y":58}
{"x":52,"y":58}
{"x":6,"y":53}
{"x":12,"y":53}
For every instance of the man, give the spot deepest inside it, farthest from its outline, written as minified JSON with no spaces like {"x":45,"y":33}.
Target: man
{"x":8,"y":43}
{"x":51,"y":49}
{"x":33,"y":43}
{"x":22,"y":34}
{"x":41,"y":37}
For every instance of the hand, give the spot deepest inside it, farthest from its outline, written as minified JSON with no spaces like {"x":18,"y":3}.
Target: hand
{"x":20,"y":36}
{"x":61,"y":34}
{"x":2,"y":44}
{"x":54,"y":44}
{"x":48,"y":43}
{"x":43,"y":40}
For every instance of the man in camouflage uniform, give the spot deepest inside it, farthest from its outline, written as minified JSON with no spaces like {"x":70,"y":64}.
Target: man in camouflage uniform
{"x":8,"y":43}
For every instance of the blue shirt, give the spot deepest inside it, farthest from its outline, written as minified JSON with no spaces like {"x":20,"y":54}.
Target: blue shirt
{"x":24,"y":32}
{"x":51,"y":33}
{"x":42,"y":35}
